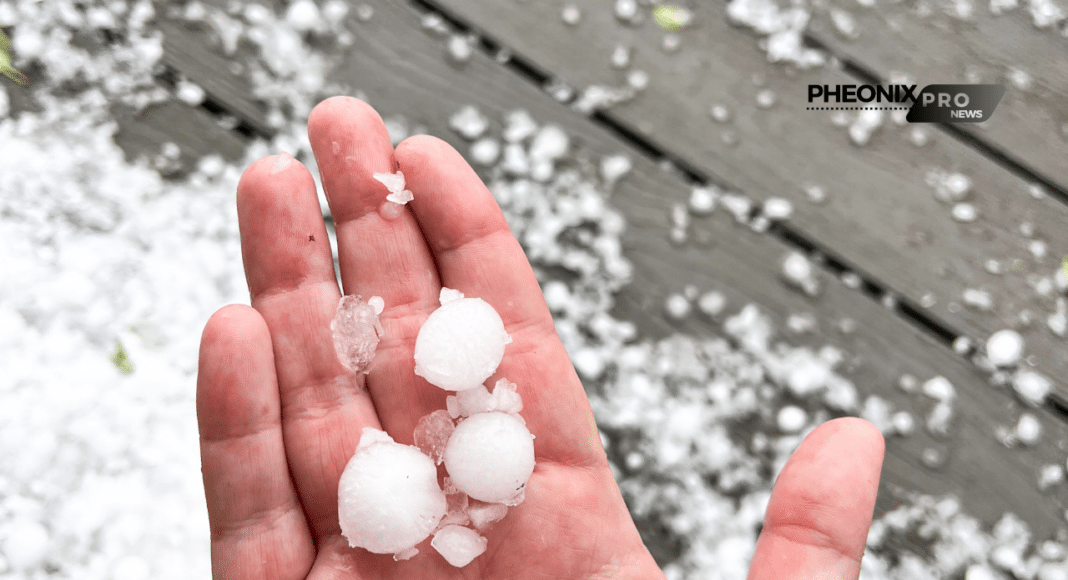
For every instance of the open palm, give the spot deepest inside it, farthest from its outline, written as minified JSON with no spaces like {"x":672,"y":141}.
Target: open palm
{"x":280,"y":416}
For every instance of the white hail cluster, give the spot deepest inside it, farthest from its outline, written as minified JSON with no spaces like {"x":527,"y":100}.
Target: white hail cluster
{"x":389,"y":499}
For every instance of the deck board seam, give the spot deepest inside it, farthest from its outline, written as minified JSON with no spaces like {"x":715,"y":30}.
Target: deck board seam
{"x":913,"y":314}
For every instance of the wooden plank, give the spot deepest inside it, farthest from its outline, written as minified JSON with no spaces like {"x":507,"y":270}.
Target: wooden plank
{"x":1030,"y":124}
{"x":193,"y":130}
{"x":402,"y":72}
{"x":187,"y":47}
{"x":881,"y":218}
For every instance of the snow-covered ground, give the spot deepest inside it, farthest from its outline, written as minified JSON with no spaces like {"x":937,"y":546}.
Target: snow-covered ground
{"x":108,"y":273}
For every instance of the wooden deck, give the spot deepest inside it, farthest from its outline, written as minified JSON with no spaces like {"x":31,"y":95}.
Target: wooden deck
{"x":880,"y":221}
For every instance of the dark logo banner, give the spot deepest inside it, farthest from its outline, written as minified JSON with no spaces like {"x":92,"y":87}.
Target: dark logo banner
{"x":955,"y":103}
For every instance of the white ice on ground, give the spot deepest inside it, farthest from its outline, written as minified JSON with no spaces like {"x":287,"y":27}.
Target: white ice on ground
{"x":614,"y":167}
{"x":394,"y":182}
{"x":490,"y":456}
{"x":777,"y":208}
{"x":1028,"y":429}
{"x":388,"y":496}
{"x":1005,"y":347}
{"x":703,"y":200}
{"x":485,"y":152}
{"x":949,"y":187}
{"x":469,"y":122}
{"x":460,"y":344}
{"x":1032,"y":387}
{"x":458,"y":545}
{"x":798,"y":272}
{"x":356,"y":331}
{"x":791,"y":419}
{"x":432,"y":433}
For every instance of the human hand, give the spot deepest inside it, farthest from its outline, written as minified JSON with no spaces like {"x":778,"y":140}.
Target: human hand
{"x":280,"y":416}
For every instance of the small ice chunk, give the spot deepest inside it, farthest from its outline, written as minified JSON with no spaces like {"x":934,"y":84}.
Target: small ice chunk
{"x":356,"y":331}
{"x":190,"y":93}
{"x":791,"y":419}
{"x":1004,"y":347}
{"x":485,"y":151}
{"x":703,"y":200}
{"x":712,"y":303}
{"x":388,"y":496}
{"x":777,"y":208}
{"x":939,"y":418}
{"x":460,"y":48}
{"x":1028,"y":429}
{"x":765,"y":99}
{"x":626,"y":10}
{"x":978,"y":299}
{"x":614,"y":167}
{"x":940,"y":389}
{"x":447,"y":295}
{"x":394,"y":182}
{"x":490,"y":456}
{"x":677,"y":306}
{"x":460,"y":344}
{"x":1031,"y":387}
{"x":571,"y":15}
{"x":518,"y":125}
{"x":965,"y":212}
{"x":432,"y":433}
{"x":798,"y":272}
{"x":303,"y":16}
{"x":458,"y":545}
{"x":549,"y":144}
{"x":469,"y":122}
{"x":1049,"y":476}
{"x":504,"y":398}
{"x":484,"y":514}
{"x":904,"y":423}
{"x":456,"y":503}
{"x":949,"y":187}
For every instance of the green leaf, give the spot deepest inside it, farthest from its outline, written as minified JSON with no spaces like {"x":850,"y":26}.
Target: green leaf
{"x":122,"y":359}
{"x":672,"y":17}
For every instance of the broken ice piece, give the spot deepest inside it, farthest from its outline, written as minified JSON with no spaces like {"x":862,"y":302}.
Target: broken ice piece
{"x":483,"y":514}
{"x":432,"y":433}
{"x":405,"y":554}
{"x":394,"y":182}
{"x":504,"y":398}
{"x":460,"y":344}
{"x":456,"y":510}
{"x":458,"y":545}
{"x":469,"y":122}
{"x":1004,"y":347}
{"x":356,"y":330}
{"x":388,"y":496}
{"x":448,"y":295}
{"x":490,"y":456}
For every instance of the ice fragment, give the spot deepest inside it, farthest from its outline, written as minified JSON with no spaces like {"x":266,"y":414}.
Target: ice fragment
{"x":469,"y":122}
{"x":777,"y":208}
{"x":432,"y":433}
{"x":1028,"y":429}
{"x":791,"y":419}
{"x":485,"y":151}
{"x":798,"y":272}
{"x":394,"y":182}
{"x":1031,"y":387}
{"x":571,"y":15}
{"x":458,"y":545}
{"x":484,"y":514}
{"x":356,"y":331}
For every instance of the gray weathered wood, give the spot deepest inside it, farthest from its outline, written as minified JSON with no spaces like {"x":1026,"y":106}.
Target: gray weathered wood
{"x":402,"y":71}
{"x":193,"y":130}
{"x":881,"y":218}
{"x":1030,"y":124}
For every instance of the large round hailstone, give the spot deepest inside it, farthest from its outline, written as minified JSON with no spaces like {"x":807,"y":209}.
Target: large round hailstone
{"x":490,"y":456}
{"x":388,"y":497}
{"x":460,"y":344}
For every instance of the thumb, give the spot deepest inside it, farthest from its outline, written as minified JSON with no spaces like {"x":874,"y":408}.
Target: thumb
{"x":821,"y":506}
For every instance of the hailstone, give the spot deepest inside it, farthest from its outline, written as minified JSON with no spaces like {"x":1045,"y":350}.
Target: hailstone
{"x":490,"y":456}
{"x":460,"y":344}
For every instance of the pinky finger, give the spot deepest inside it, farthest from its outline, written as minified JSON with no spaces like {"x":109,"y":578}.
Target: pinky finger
{"x":258,"y":528}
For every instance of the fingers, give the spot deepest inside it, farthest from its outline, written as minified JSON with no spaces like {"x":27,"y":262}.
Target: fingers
{"x":821,"y":506}
{"x":290,"y":273}
{"x":477,"y":254}
{"x":378,"y":256}
{"x":258,"y":530}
